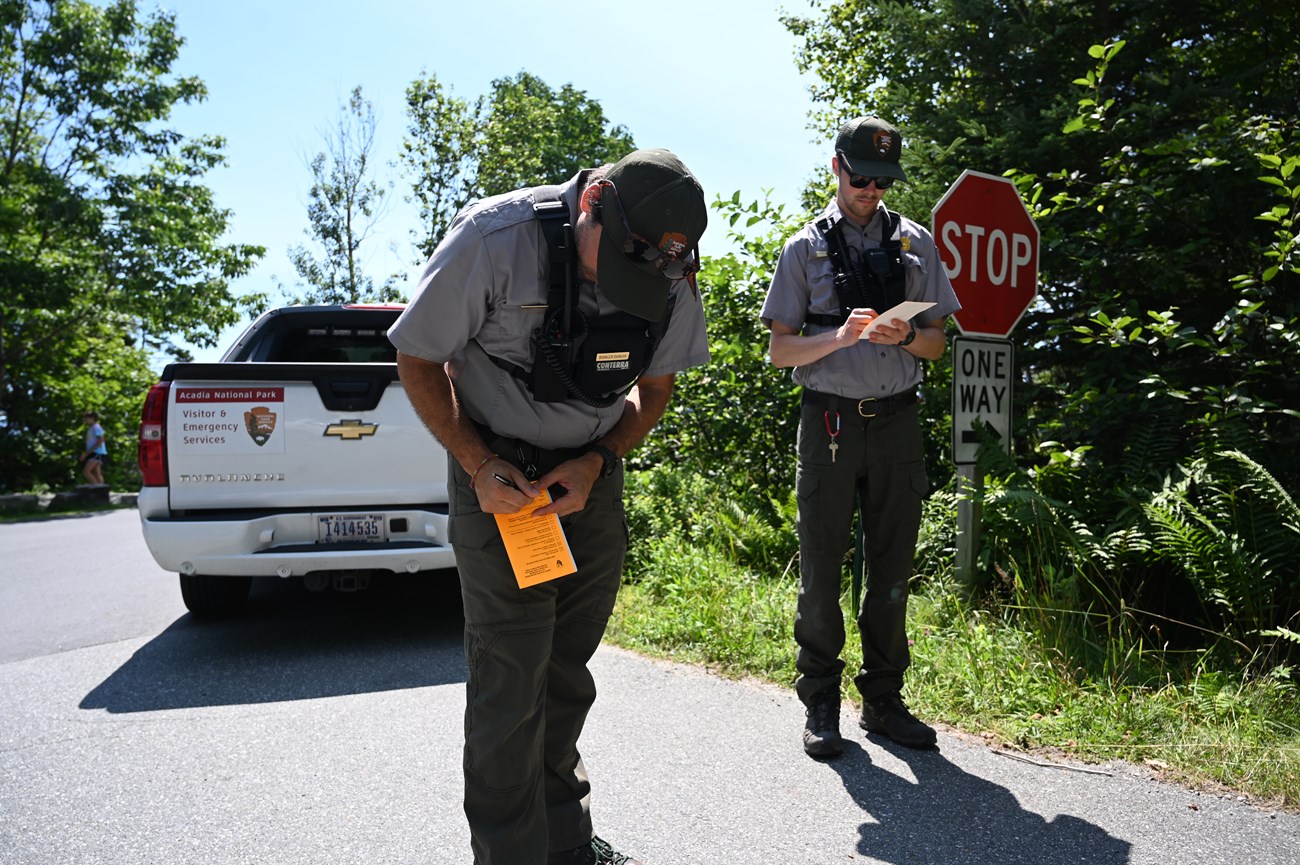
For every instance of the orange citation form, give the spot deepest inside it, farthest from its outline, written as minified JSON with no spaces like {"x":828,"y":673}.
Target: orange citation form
{"x":537,"y":547}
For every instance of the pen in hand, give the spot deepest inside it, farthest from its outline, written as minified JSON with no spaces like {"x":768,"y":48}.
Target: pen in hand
{"x":505,"y":480}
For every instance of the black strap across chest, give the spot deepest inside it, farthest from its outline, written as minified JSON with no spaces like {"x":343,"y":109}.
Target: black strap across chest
{"x":553,"y":217}
{"x":877,"y":280}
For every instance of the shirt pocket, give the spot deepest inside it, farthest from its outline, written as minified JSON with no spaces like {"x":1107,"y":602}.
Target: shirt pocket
{"x":508,"y":332}
{"x":822,"y":299}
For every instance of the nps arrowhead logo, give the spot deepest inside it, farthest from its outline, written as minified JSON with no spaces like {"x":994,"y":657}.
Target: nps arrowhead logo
{"x":259,"y":423}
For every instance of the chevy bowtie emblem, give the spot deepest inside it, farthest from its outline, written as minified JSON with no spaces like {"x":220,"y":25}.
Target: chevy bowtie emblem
{"x":351,"y":429}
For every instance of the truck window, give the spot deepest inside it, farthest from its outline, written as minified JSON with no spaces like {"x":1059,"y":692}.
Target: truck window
{"x":337,"y":345}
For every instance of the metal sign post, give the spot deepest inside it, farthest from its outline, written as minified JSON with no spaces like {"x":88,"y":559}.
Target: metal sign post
{"x":982,"y":374}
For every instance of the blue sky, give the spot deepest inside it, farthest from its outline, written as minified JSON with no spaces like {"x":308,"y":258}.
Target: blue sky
{"x":716,"y":84}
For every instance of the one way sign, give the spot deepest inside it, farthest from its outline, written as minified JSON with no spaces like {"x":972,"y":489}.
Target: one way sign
{"x":981,"y":391}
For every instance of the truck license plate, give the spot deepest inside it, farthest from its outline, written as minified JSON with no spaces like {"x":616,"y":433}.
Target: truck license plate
{"x":340,"y":528}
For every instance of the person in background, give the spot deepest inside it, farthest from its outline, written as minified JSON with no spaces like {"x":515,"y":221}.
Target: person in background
{"x":95,"y":453}
{"x":859,"y":437}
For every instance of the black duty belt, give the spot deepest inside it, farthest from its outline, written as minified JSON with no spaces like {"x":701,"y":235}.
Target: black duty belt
{"x":534,"y":461}
{"x":866,"y":407}
{"x":825,"y":320}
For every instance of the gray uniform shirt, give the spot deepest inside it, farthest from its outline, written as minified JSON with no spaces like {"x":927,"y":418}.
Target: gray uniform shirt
{"x":483,"y":292}
{"x":804,"y":284}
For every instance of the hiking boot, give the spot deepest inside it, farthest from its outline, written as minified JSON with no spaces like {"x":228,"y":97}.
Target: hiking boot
{"x":821,"y":732}
{"x":889,"y":716}
{"x":595,"y":852}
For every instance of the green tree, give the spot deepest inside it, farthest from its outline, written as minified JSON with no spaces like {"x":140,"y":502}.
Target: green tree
{"x":522,"y":133}
{"x":109,"y":242}
{"x":95,"y":367}
{"x":736,"y":418}
{"x":1148,"y":208}
{"x":346,"y":204}
{"x":439,"y":155}
{"x":1156,"y":145}
{"x":533,"y":134}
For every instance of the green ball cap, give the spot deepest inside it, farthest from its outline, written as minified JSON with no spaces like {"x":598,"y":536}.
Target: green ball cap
{"x":664,"y":204}
{"x":871,"y":147}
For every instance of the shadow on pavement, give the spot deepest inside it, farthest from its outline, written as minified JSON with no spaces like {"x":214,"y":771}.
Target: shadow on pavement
{"x":948,"y":815}
{"x":291,"y":644}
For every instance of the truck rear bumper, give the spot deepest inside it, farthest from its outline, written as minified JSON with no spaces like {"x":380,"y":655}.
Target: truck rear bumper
{"x":285,"y":545}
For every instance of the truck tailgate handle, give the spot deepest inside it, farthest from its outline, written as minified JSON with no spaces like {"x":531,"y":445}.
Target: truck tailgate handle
{"x":350,"y":394}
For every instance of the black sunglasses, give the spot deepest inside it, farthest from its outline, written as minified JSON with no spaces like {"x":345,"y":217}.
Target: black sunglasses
{"x":642,"y":251}
{"x":860,"y":181}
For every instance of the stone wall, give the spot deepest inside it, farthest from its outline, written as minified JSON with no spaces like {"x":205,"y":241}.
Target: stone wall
{"x":83,"y":497}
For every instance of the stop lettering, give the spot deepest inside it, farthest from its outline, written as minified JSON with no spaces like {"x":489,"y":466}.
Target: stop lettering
{"x":988,"y":244}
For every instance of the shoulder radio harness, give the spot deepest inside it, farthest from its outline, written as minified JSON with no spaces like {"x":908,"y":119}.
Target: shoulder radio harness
{"x":595,"y":362}
{"x":877,"y":282}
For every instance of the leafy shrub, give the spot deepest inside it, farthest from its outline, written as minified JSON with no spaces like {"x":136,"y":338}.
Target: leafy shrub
{"x":667,"y":507}
{"x":736,"y":417}
{"x":1234,"y":532}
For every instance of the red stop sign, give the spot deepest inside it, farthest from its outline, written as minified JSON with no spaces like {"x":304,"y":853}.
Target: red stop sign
{"x":988,"y":244}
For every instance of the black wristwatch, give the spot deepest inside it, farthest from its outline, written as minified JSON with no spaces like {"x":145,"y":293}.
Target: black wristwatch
{"x":608,"y":456}
{"x":911,"y":335}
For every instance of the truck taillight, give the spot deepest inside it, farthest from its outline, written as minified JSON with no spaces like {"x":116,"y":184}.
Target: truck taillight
{"x":153,"y":436}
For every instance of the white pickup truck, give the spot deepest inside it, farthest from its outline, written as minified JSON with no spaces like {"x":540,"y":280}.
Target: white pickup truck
{"x":297,"y":455}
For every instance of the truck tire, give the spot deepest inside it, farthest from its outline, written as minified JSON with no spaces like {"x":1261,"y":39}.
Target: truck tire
{"x":208,"y":596}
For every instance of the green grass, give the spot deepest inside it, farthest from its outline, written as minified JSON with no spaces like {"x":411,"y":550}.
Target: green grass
{"x":701,"y":608}
{"x":27,"y":513}
{"x":983,"y":673}
{"x":987,"y":672}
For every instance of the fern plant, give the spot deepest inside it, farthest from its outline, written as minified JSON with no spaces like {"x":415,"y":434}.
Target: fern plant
{"x":1234,"y":531}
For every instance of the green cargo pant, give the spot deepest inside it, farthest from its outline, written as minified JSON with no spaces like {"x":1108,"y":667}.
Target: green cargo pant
{"x":879,"y":463}
{"x":529,"y":689}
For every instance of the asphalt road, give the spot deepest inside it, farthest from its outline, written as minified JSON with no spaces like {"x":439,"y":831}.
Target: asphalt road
{"x":323,"y":729}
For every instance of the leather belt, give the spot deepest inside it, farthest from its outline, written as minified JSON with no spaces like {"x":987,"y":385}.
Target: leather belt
{"x":867,"y":407}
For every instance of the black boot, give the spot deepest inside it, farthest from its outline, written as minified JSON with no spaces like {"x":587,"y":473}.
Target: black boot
{"x":594,"y":852}
{"x":821,"y":732}
{"x":889,"y":716}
